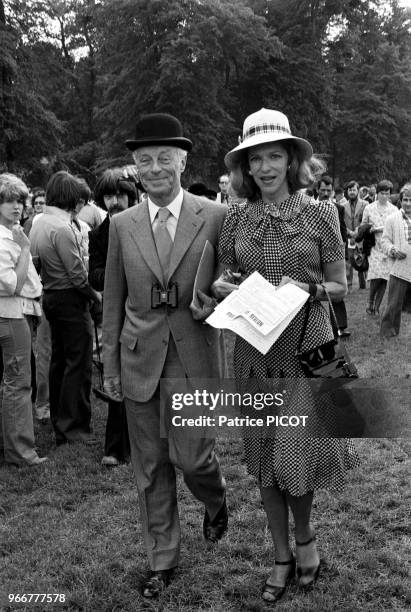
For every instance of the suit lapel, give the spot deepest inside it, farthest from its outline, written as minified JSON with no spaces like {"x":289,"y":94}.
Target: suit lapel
{"x":189,"y":224}
{"x":141,"y":232}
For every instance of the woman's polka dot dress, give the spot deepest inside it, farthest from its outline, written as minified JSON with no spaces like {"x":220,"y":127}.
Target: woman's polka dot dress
{"x":294,"y":242}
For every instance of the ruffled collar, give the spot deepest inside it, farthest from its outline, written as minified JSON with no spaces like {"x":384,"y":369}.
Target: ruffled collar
{"x":289,"y":210}
{"x":263,"y":216}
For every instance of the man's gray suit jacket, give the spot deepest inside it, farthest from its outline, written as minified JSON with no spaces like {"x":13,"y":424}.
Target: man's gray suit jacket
{"x":136,"y":336}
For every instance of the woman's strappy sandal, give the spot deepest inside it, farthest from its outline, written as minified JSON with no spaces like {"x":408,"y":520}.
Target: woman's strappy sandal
{"x":272,"y":593}
{"x":307,"y":575}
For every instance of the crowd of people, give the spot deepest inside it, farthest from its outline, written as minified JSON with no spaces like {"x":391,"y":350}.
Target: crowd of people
{"x":128,"y":259}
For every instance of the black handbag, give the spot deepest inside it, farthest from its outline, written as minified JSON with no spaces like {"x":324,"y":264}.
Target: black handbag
{"x":331,"y":366}
{"x":330,"y":360}
{"x":360,"y":259}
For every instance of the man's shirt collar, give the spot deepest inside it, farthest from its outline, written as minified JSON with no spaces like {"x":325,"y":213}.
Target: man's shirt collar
{"x":174,"y":207}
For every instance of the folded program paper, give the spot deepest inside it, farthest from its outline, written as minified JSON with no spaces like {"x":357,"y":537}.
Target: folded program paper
{"x":258,"y":312}
{"x":205,"y":273}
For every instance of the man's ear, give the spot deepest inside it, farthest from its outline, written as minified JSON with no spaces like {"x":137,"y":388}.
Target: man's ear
{"x":183,"y":163}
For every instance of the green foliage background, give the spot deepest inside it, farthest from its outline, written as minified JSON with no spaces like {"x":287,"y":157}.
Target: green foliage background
{"x":76,"y":74}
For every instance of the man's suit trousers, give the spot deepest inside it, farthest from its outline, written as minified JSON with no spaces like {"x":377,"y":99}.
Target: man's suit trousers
{"x":154,"y":461}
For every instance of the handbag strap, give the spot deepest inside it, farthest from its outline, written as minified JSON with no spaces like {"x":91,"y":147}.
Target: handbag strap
{"x":307,"y":314}
{"x":304,"y":326}
{"x":332,"y":313}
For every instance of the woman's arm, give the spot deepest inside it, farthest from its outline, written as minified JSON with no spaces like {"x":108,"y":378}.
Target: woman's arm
{"x":22,"y":266}
{"x":334,"y":280}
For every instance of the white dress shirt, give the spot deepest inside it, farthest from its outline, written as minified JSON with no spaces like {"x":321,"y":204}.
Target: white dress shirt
{"x":174,"y":207}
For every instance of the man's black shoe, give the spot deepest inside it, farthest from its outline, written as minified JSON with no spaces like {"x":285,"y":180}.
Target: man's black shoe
{"x":156,"y":583}
{"x":214,"y":530}
{"x":344,"y":333}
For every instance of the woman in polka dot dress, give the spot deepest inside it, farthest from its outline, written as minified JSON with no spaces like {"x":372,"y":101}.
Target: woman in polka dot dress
{"x":288,"y":238}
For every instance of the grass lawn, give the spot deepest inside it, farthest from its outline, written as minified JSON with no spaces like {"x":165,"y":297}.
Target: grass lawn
{"x":73,"y":527}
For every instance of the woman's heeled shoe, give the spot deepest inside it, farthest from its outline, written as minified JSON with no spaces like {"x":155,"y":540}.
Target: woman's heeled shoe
{"x":307,"y":575}
{"x":272,"y":593}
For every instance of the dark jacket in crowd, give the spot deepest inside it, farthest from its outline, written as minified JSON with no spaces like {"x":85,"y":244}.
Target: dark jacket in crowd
{"x":367,"y":237}
{"x":98,"y":248}
{"x":341,"y":218}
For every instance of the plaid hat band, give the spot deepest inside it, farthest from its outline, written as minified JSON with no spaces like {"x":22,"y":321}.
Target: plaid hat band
{"x":265,"y":128}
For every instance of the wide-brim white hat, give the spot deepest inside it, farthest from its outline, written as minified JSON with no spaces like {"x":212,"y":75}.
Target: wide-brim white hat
{"x":266,"y":126}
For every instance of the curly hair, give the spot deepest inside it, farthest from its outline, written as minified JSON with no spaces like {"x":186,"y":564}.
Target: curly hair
{"x":404,"y":188}
{"x":385,"y":185}
{"x":37,"y":193}
{"x":12,"y":188}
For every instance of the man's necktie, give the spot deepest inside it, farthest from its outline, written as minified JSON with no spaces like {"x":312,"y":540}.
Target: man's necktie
{"x":163,"y":241}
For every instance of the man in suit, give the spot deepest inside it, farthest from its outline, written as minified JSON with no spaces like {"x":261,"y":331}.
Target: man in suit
{"x":354,"y":208}
{"x":150,"y":333}
{"x":224,"y":185}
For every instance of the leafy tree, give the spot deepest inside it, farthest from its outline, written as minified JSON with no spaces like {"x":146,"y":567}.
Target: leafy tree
{"x":187,"y":58}
{"x":371,"y":59}
{"x":30,"y":129}
{"x":76,"y":74}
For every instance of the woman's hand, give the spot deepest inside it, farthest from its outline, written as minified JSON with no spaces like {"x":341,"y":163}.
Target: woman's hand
{"x":223,"y":287}
{"x":287,"y":279}
{"x":397,"y":254}
{"x":20,"y":237}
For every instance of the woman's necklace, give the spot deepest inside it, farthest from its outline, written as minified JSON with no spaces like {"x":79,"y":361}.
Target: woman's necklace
{"x":284,"y":209}
{"x":276,"y":204}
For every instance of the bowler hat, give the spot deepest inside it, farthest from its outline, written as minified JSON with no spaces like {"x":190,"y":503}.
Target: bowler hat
{"x":159,"y":129}
{"x":266,"y":126}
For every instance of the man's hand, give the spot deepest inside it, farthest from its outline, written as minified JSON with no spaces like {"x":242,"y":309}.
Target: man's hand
{"x":397,"y":254}
{"x":207,"y":307}
{"x":96,"y":312}
{"x":97,"y":298}
{"x":112,"y":386}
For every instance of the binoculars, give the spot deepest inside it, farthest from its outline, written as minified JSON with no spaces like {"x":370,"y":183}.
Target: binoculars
{"x":164,"y":297}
